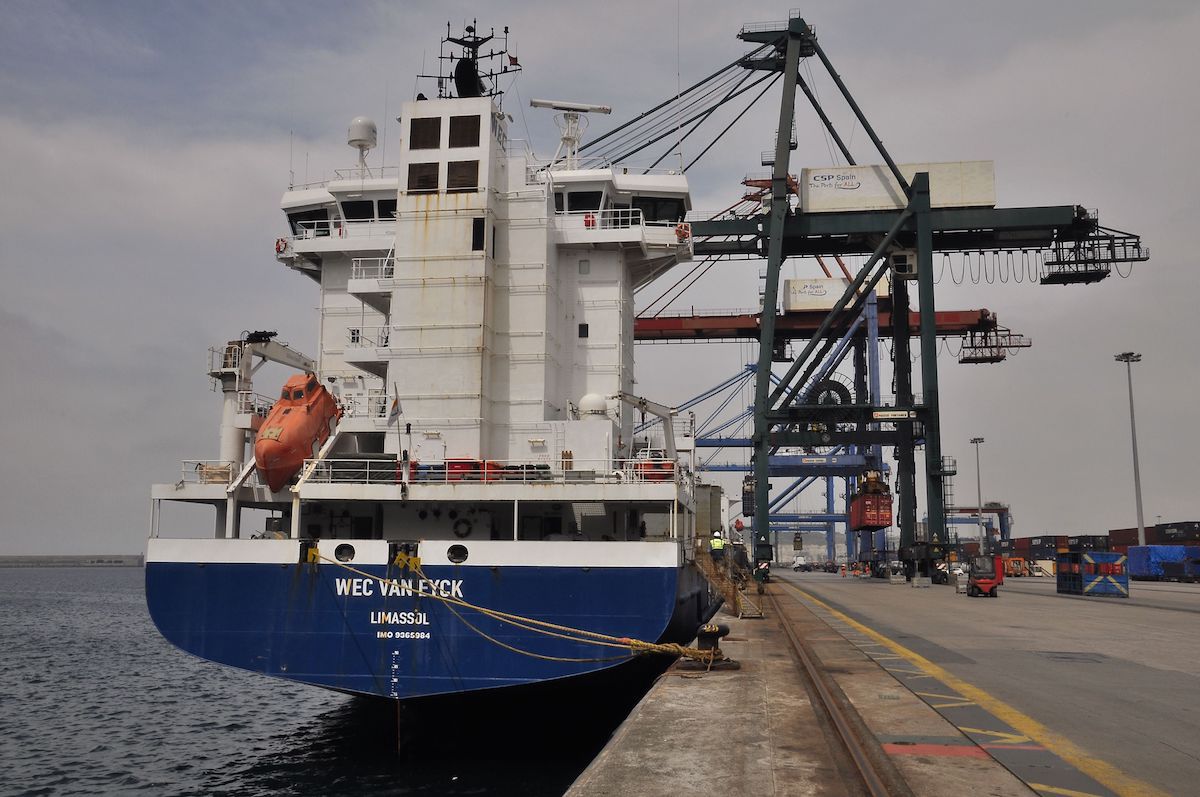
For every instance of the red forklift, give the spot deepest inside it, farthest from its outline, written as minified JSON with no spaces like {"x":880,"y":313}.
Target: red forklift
{"x":987,"y":573}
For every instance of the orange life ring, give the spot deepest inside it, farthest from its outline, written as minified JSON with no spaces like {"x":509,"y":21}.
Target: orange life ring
{"x":589,"y":220}
{"x":683,"y":231}
{"x":280,"y":246}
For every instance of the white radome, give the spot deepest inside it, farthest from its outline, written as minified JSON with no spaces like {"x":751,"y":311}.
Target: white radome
{"x":362,"y":133}
{"x":593,"y":404}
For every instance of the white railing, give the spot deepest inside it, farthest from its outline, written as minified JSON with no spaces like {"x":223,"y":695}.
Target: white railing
{"x":372,"y":404}
{"x":372,"y":268}
{"x":340,"y":228}
{"x":368,"y":337}
{"x":251,"y":403}
{"x":207,"y":471}
{"x":458,"y":471}
{"x":619,"y":219}
{"x":367,"y":173}
{"x":357,"y":173}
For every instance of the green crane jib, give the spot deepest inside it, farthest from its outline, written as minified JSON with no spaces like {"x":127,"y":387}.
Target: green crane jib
{"x":1082,"y":252}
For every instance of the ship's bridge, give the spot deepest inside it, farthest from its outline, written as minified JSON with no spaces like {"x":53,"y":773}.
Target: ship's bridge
{"x":355,"y":212}
{"x":611,"y":208}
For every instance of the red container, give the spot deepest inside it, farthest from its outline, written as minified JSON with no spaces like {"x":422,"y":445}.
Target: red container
{"x":1121,"y":549}
{"x":1020,"y":543}
{"x":459,"y":469}
{"x":1123,"y":537}
{"x":870,"y":511}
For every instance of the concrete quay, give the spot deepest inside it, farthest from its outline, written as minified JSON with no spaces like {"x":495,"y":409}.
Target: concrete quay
{"x":759,"y":730}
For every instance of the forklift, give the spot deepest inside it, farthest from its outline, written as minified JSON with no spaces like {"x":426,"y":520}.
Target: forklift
{"x":987,"y":573}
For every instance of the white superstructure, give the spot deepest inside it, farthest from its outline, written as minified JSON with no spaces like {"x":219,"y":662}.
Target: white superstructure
{"x":500,"y":295}
{"x":486,"y":299}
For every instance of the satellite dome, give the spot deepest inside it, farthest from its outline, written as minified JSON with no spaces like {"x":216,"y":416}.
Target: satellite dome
{"x":593,"y":404}
{"x":362,"y":133}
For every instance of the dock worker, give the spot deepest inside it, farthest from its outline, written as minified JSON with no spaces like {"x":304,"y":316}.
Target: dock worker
{"x":716,"y":547}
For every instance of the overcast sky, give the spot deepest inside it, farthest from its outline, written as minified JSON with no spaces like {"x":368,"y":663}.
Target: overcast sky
{"x":145,"y":146}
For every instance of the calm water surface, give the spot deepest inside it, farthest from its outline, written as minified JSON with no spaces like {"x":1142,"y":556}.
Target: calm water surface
{"x":94,"y":701}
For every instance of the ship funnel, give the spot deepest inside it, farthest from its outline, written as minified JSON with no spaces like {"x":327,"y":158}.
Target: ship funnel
{"x":363,"y":136}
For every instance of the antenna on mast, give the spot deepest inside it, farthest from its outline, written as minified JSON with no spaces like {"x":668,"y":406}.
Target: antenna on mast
{"x":572,"y":126}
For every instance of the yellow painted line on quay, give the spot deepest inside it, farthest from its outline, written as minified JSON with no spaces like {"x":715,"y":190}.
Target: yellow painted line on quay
{"x":1044,"y":789}
{"x":1102,"y":771}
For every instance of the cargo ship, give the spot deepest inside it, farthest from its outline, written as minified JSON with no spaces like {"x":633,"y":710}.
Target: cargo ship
{"x":452,"y":498}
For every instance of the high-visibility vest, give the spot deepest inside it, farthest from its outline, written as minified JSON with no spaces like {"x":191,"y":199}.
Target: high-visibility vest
{"x":717,"y":544}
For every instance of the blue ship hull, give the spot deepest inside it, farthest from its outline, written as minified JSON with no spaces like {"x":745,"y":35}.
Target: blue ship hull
{"x":391,"y":634}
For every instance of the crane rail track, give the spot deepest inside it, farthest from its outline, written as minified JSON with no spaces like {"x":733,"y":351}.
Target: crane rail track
{"x":879,"y":778}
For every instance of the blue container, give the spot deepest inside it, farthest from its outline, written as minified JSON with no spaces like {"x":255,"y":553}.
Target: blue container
{"x":1146,"y":561}
{"x":1093,"y":573}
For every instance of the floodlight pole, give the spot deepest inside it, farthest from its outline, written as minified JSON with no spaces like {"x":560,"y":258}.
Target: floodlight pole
{"x":1128,"y":358}
{"x":984,"y":546}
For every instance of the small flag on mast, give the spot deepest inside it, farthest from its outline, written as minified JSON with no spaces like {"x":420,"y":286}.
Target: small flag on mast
{"x":395,"y":411}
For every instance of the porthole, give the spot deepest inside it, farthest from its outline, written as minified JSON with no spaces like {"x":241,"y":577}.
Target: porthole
{"x":344,"y":552}
{"x":457,"y":554}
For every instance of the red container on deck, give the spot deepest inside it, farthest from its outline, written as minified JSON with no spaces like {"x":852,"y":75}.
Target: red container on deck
{"x":1020,"y":543}
{"x":459,"y":469}
{"x":870,"y":511}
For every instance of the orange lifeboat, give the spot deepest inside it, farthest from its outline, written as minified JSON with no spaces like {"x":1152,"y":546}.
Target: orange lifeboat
{"x":294,"y":430}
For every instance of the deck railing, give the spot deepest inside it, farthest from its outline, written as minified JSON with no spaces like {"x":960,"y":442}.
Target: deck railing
{"x":207,"y":471}
{"x":340,"y":228}
{"x":372,"y":268}
{"x":251,"y":403}
{"x":498,"y":472}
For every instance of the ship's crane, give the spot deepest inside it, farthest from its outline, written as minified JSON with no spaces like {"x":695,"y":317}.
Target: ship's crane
{"x":667,"y":414}
{"x":233,"y":367}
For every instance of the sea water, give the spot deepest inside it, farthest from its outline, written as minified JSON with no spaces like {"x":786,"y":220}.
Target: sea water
{"x":94,"y":701}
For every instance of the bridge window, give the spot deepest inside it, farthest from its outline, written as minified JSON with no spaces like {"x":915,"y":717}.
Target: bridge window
{"x":313,"y":223}
{"x":464,"y":131}
{"x":558,"y":202}
{"x":358,"y":209}
{"x":659,"y":208}
{"x":462,"y":175}
{"x":425,"y":133}
{"x":583,"y":330}
{"x":422,"y":178}
{"x":387,"y":209}
{"x":584,"y":200}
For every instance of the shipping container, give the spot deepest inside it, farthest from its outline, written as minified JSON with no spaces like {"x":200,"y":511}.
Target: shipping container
{"x":1021,"y":543}
{"x":1146,"y":561}
{"x":871,"y":511}
{"x":1170,"y":533}
{"x":961,"y":184}
{"x":801,"y":295}
{"x":1088,"y":542}
{"x":1123,"y":537}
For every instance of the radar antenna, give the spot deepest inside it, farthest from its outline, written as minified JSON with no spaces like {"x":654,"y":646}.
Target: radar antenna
{"x":461,"y":65}
{"x":572,"y":126}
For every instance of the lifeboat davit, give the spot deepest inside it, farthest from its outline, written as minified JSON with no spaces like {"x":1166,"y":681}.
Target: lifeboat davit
{"x":294,"y":430}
